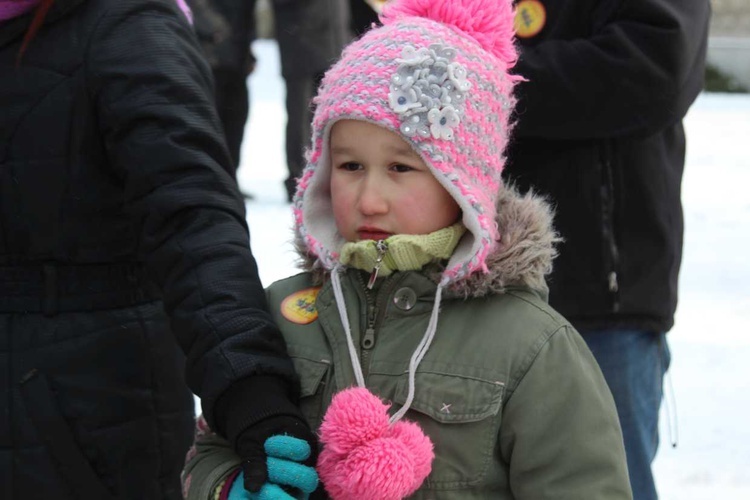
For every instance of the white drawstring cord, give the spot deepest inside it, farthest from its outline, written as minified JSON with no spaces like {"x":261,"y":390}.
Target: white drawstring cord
{"x":419,"y":353}
{"x":416,"y":358}
{"x":341,"y":305}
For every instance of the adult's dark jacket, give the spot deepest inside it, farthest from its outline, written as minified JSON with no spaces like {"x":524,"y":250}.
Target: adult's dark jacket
{"x":311,"y":34}
{"x":121,"y":230}
{"x":599,"y":131}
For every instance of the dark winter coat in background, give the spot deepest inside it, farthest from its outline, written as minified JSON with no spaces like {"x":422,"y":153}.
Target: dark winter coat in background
{"x":311,"y":33}
{"x":121,"y":231}
{"x":363,"y":16}
{"x":608,"y":147}
{"x":225,"y":29}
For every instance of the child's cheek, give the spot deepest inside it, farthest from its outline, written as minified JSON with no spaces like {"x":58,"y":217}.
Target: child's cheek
{"x":343,"y":211}
{"x":413,"y":213}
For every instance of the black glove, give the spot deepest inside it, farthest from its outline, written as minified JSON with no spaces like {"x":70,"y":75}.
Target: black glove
{"x":250,"y":446}
{"x":251,"y":411}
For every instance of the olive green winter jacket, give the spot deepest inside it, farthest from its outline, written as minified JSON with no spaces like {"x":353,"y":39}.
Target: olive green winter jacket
{"x":508,"y":392}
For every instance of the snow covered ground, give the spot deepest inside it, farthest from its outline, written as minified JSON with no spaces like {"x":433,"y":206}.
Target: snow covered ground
{"x":710,"y":342}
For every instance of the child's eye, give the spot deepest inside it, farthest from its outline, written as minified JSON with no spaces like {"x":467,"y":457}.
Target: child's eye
{"x":350,"y":166}
{"x":401,"y":168}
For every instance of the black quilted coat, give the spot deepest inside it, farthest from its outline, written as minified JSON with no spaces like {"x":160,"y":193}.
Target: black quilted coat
{"x":122,"y":237}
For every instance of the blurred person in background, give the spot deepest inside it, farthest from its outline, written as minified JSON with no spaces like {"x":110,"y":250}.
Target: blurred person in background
{"x":363,"y":14}
{"x":225,"y":30}
{"x":311,"y":35}
{"x":122,"y":239}
{"x":599,"y":132}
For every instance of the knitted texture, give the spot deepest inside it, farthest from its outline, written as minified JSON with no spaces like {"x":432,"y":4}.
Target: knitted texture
{"x":437,"y":74}
{"x":406,"y":252}
{"x":284,"y":468}
{"x":367,"y":458}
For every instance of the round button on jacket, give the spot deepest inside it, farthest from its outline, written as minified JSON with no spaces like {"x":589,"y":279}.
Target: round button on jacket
{"x":405,"y":298}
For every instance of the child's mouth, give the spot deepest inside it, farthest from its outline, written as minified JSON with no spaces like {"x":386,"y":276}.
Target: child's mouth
{"x":372,"y":234}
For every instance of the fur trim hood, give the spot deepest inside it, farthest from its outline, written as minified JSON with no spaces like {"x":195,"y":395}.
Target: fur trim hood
{"x":523,"y":256}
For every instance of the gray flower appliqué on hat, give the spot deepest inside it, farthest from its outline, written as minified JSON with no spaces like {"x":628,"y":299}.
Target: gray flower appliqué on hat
{"x":428,"y":91}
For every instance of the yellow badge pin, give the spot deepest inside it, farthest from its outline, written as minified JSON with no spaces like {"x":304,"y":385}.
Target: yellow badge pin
{"x":531,"y":16}
{"x":299,"y":307}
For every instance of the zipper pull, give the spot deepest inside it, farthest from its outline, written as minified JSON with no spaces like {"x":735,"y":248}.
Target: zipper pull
{"x":382,"y":247}
{"x":369,"y":339}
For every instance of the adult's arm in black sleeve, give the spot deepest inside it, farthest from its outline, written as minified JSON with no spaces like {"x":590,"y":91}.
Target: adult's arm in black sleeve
{"x":638,"y":72}
{"x":153,"y":94}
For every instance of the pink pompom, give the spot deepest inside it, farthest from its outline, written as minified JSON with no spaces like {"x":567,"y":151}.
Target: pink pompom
{"x":489,"y":22}
{"x":412,"y":436}
{"x":366,"y":460}
{"x":354,"y":417}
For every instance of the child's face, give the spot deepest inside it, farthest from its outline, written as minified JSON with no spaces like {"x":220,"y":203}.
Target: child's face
{"x":380,"y":186}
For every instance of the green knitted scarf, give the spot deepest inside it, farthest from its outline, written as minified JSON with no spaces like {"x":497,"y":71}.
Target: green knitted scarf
{"x":405,"y":252}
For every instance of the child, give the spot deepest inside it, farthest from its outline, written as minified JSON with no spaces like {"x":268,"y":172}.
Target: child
{"x":424,"y":284}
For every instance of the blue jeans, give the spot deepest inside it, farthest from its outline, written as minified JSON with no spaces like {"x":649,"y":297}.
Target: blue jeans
{"x":634,"y":363}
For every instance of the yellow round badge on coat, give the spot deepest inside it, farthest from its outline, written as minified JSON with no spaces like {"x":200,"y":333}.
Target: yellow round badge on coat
{"x":531,"y":16}
{"x":299,"y":307}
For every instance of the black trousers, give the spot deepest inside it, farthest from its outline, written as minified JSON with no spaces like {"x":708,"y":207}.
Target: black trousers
{"x":233,"y":105}
{"x":299,"y":108}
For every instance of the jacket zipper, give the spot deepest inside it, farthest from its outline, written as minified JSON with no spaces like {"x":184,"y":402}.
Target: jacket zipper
{"x":368,"y":339}
{"x":608,"y":210}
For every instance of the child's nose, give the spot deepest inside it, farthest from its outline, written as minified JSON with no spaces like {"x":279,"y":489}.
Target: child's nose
{"x":372,"y":197}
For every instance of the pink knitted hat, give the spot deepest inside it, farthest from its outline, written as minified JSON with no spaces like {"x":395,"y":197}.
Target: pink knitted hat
{"x":437,"y":74}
